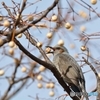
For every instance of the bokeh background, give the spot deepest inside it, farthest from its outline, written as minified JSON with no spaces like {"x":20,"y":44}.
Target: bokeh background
{"x":84,"y":32}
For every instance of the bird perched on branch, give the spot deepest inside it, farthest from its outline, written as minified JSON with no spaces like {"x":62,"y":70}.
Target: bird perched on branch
{"x":69,"y":69}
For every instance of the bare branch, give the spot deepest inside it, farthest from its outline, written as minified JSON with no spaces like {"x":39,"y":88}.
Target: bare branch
{"x":97,"y":76}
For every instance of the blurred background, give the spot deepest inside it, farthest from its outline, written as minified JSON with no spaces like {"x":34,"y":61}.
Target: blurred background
{"x":72,"y":23}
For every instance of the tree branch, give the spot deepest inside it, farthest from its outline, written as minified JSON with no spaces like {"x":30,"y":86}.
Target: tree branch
{"x":97,"y":76}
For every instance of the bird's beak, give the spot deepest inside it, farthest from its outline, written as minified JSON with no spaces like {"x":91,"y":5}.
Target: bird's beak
{"x":51,"y":51}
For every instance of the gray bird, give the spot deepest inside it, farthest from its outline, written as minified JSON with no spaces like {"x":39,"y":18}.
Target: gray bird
{"x":69,"y":69}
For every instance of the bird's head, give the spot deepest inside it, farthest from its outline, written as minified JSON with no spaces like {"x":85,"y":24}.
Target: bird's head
{"x":57,"y":49}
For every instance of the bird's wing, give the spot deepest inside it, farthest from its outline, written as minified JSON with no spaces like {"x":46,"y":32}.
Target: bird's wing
{"x":70,"y":68}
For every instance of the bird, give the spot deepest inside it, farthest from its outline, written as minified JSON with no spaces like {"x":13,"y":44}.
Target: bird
{"x":69,"y":69}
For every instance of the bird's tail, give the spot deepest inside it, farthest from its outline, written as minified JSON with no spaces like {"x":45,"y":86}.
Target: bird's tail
{"x":85,"y":94}
{"x":77,"y":91}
